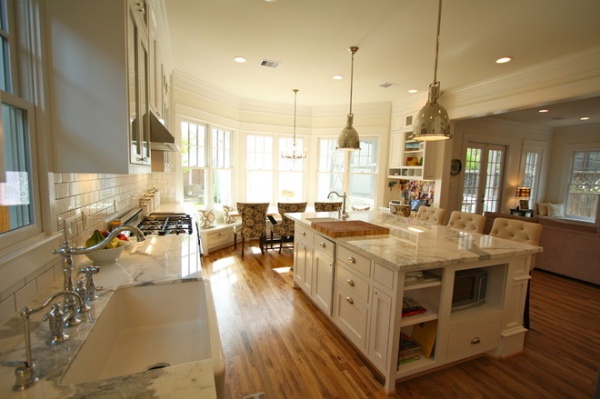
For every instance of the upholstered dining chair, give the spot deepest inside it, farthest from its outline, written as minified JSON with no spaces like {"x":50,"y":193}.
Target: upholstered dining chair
{"x":431,"y":214}
{"x":327,"y":206}
{"x":253,"y":225}
{"x":285,"y":229}
{"x":466,"y":221}
{"x":520,"y":231}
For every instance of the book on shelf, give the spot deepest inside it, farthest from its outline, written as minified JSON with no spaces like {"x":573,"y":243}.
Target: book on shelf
{"x":424,"y":335}
{"x":409,"y":350}
{"x":411,"y":307}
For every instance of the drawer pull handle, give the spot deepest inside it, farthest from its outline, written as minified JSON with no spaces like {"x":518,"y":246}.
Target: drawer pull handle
{"x":350,"y":300}
{"x":475,"y":341}
{"x":350,"y":282}
{"x":323,"y":244}
{"x":351,"y":259}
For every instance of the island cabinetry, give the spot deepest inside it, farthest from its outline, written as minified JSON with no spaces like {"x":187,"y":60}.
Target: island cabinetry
{"x":99,"y":85}
{"x":323,"y":257}
{"x":303,"y":258}
{"x":314,"y":256}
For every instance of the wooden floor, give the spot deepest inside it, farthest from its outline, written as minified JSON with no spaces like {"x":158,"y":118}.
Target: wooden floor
{"x":276,"y":341}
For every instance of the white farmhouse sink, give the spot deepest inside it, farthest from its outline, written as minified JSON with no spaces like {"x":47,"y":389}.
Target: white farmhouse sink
{"x":147,"y":327}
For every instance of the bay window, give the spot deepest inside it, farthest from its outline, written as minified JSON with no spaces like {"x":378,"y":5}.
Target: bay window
{"x":206,"y":165}
{"x":353,"y":172}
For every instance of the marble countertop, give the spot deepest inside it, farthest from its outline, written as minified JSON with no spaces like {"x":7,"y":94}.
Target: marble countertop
{"x":416,"y":245}
{"x":158,"y":259}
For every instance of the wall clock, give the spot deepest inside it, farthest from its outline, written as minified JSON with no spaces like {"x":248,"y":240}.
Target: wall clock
{"x":455,"y":167}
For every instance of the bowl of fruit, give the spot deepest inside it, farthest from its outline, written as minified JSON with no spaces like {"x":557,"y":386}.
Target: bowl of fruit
{"x":111,"y":252}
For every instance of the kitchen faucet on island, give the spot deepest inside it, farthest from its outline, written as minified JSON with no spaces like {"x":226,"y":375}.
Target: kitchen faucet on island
{"x":343,"y":215}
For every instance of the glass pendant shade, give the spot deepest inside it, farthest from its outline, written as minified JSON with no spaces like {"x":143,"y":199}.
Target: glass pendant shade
{"x":432,"y":122}
{"x":294,"y":152}
{"x":348,"y":139}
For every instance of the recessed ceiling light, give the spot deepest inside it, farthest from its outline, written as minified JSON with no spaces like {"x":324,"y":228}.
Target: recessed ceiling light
{"x":503,"y":60}
{"x":240,"y":60}
{"x":584,"y":118}
{"x":338,"y":77}
{"x":413,"y":91}
{"x":541,"y":111}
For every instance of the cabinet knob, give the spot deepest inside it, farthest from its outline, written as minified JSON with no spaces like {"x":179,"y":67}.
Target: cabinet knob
{"x":303,"y":233}
{"x":330,"y":265}
{"x":351,"y":259}
{"x":350,"y":282}
{"x":350,"y":300}
{"x":323,"y":245}
{"x":475,"y":341}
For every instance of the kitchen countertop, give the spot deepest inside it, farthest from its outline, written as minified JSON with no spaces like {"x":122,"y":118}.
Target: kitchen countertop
{"x":158,"y":259}
{"x":417,"y":245}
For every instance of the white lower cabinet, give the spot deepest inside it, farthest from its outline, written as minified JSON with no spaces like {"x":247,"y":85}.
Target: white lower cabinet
{"x":314,"y":256}
{"x":379,"y":329}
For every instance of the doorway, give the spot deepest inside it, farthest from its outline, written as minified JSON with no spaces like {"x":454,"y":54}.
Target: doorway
{"x":482,"y":184}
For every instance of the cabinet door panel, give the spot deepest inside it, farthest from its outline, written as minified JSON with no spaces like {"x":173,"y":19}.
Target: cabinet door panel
{"x":381,"y":309}
{"x":323,"y":281}
{"x":303,"y":259}
{"x":351,"y":317}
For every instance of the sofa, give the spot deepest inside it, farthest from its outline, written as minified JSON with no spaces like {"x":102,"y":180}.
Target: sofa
{"x":571,"y":248}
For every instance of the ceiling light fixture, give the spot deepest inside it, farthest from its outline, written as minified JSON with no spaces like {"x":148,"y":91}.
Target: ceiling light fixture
{"x":432,"y":121}
{"x":337,"y":77}
{"x":240,"y":60}
{"x":503,"y":60}
{"x":294,"y":152}
{"x":348,"y":139}
{"x":543,"y":111}
{"x":584,"y":118}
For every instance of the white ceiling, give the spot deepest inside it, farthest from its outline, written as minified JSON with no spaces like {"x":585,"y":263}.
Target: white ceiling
{"x":396,"y":39}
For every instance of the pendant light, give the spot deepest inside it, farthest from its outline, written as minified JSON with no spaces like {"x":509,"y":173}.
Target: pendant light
{"x":294,"y":152}
{"x":432,"y":122}
{"x":348,"y":139}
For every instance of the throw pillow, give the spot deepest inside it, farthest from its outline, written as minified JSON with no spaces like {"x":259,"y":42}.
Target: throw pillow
{"x":556,"y":210}
{"x":227,"y":218}
{"x":207,"y":219}
{"x":542,"y":209}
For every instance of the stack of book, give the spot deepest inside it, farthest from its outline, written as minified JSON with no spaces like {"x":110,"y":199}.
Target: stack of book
{"x":411,"y":307}
{"x":409,"y":350}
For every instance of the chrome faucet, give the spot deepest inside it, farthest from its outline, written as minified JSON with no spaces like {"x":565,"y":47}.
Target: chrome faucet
{"x":343,"y":214}
{"x":66,"y":253}
{"x":26,"y":374}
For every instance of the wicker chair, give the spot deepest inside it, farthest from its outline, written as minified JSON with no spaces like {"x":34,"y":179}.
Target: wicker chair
{"x":285,"y":229}
{"x":467,"y":221}
{"x":431,"y":214}
{"x":327,"y":206}
{"x":525,"y":232}
{"x":253,"y":224}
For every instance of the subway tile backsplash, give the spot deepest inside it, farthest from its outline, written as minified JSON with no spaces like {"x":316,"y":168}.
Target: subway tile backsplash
{"x":88,"y":201}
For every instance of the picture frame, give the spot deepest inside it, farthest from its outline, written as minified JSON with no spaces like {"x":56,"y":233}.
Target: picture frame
{"x":523,"y":204}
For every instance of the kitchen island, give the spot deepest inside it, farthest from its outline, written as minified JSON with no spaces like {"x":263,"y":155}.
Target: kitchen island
{"x":362,"y":283}
{"x":171,"y":259}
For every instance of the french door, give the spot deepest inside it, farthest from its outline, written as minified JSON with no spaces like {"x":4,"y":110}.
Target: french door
{"x":482,"y":184}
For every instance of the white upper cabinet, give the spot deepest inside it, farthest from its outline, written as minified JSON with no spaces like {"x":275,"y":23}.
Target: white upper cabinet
{"x":100,"y":86}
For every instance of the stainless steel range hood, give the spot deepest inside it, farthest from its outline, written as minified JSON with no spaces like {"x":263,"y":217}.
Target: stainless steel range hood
{"x":160,"y":138}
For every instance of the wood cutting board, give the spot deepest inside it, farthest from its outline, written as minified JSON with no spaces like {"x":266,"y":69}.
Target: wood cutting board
{"x":348,"y":228}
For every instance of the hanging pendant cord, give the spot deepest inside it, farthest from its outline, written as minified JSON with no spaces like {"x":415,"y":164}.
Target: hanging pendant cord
{"x":437,"y":43}
{"x":353,"y":50}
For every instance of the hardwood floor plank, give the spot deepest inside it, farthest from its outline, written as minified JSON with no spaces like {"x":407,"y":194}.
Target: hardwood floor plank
{"x":276,"y":341}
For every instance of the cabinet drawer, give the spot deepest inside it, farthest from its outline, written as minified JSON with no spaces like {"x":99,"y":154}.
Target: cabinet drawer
{"x":303,"y":234}
{"x":324,"y":245}
{"x":355,"y":261}
{"x":351,"y":317}
{"x":218,"y":238}
{"x":352,"y":284}
{"x":473,"y":341}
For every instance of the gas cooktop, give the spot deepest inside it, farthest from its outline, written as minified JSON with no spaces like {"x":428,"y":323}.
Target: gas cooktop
{"x":166,"y":223}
